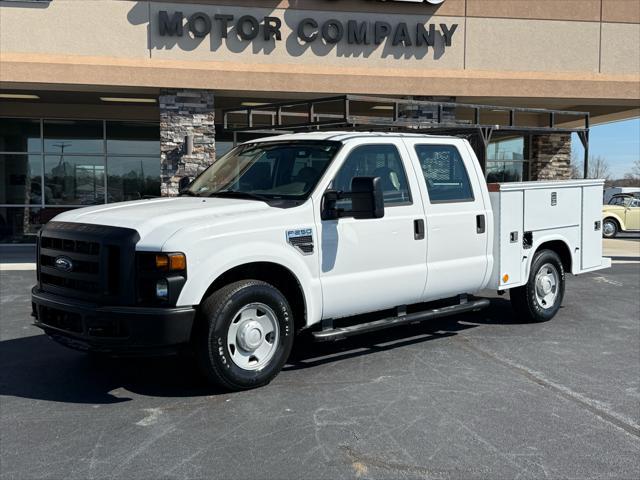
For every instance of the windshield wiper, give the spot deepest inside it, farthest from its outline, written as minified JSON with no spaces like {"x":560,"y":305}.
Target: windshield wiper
{"x":237,"y":194}
{"x":188,"y":193}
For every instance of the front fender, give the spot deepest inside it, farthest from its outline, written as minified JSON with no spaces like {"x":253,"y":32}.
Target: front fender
{"x":202,"y":273}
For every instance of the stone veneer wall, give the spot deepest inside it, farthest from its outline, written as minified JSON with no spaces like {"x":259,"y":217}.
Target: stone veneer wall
{"x":551,"y":157}
{"x":183,"y":113}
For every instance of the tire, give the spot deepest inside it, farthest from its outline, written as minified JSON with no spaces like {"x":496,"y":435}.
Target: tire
{"x":610,"y":228}
{"x":540,"y":299}
{"x":245,"y":335}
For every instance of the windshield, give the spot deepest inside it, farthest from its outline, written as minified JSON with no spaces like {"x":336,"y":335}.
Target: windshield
{"x":269,"y":170}
{"x":624,"y":201}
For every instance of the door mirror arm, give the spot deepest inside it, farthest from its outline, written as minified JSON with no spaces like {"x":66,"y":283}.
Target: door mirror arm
{"x":328,"y":208}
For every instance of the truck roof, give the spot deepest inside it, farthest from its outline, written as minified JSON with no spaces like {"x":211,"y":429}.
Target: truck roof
{"x":341,"y":136}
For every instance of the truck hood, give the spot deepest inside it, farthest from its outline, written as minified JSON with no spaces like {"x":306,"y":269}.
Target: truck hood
{"x":156,"y":220}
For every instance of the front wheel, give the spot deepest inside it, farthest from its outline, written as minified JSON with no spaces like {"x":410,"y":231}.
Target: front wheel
{"x":609,"y":228}
{"x":540,"y":299}
{"x":245,"y":335}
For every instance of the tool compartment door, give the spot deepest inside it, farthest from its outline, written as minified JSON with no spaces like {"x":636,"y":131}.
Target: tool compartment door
{"x":554,"y":207}
{"x":591,"y":227}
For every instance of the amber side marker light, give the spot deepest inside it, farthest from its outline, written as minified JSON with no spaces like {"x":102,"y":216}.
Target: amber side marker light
{"x":505,"y":279}
{"x":172,"y":261}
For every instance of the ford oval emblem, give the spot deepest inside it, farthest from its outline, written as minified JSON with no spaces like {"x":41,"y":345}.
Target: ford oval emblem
{"x":63,"y":263}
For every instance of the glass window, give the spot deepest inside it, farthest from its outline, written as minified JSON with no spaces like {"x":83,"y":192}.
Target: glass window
{"x":20,"y":224}
{"x":71,"y":136}
{"x":506,"y":149}
{"x":622,"y":201}
{"x":133,"y":138}
{"x":375,"y":161}
{"x":20,"y":179}
{"x":507,"y":171}
{"x":20,"y":135}
{"x":73,"y":180}
{"x":222,"y":148}
{"x":445,"y":174}
{"x":132,"y":178}
{"x":224,"y":139}
{"x":507,"y":159}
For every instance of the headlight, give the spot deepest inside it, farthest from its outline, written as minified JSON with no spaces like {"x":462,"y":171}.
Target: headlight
{"x":162,"y":289}
{"x":160,"y":277}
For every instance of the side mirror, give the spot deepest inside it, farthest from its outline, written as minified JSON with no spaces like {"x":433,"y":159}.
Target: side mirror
{"x":184,"y":183}
{"x":367,"y":200}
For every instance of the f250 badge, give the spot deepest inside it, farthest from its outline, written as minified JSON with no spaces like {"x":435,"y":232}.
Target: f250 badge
{"x":301,"y":240}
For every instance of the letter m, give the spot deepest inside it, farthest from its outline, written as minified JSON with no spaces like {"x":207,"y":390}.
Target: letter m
{"x":170,"y":26}
{"x":358,"y":33}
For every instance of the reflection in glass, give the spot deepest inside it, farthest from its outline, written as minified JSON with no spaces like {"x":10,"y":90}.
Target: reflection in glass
{"x":20,"y":179}
{"x":506,"y":149}
{"x":20,"y":135}
{"x":507,"y":172}
{"x":74,"y":180}
{"x":71,"y":136}
{"x":132,"y":178}
{"x":133,"y":138}
{"x":20,"y":224}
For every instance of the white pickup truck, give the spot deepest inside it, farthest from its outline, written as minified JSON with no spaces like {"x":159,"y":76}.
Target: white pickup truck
{"x":335,"y":232}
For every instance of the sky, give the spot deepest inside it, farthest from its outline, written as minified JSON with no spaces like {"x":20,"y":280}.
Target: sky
{"x":617,"y":142}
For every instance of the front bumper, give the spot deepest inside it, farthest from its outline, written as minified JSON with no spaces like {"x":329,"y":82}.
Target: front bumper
{"x":116,"y":330}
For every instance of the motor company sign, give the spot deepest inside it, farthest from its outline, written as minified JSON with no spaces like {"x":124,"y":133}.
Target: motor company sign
{"x":308,"y":30}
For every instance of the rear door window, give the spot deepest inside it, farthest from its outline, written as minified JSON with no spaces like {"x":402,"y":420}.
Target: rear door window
{"x":445,"y":174}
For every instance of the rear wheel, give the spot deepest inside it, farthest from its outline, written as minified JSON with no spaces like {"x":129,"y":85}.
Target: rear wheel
{"x":610,"y":228}
{"x":540,"y":299}
{"x":246,"y":334}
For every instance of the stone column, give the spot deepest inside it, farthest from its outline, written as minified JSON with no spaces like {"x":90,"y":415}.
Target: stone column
{"x":185,"y":113}
{"x":551,"y":157}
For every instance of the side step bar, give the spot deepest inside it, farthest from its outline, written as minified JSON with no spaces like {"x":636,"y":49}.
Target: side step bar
{"x":340,"y":333}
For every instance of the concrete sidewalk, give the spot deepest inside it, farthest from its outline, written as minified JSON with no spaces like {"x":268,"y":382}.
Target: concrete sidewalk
{"x":623,"y":249}
{"x":17,"y":257}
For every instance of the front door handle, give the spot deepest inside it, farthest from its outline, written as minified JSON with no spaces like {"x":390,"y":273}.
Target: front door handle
{"x":418,"y":229}
{"x":481,"y":224}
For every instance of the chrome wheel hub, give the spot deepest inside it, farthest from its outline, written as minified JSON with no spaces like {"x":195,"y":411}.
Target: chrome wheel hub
{"x":547,"y":282}
{"x":608,"y":228}
{"x":252,"y":339}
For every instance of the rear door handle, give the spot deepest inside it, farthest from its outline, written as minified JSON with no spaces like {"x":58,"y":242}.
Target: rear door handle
{"x":418,"y":229}
{"x":481,"y":224}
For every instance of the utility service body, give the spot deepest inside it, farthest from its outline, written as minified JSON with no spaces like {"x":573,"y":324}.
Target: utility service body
{"x":308,"y":30}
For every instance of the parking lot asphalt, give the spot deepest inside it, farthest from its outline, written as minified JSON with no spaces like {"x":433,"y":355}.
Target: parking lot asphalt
{"x":472,"y":396}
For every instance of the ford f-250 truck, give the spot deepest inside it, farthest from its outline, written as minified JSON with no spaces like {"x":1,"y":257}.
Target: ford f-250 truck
{"x":335,"y":232}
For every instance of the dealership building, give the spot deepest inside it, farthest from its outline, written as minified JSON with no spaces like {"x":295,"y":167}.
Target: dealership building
{"x":112,"y":100}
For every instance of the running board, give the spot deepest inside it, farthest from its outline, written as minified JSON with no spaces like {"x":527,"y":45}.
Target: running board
{"x":340,"y":333}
